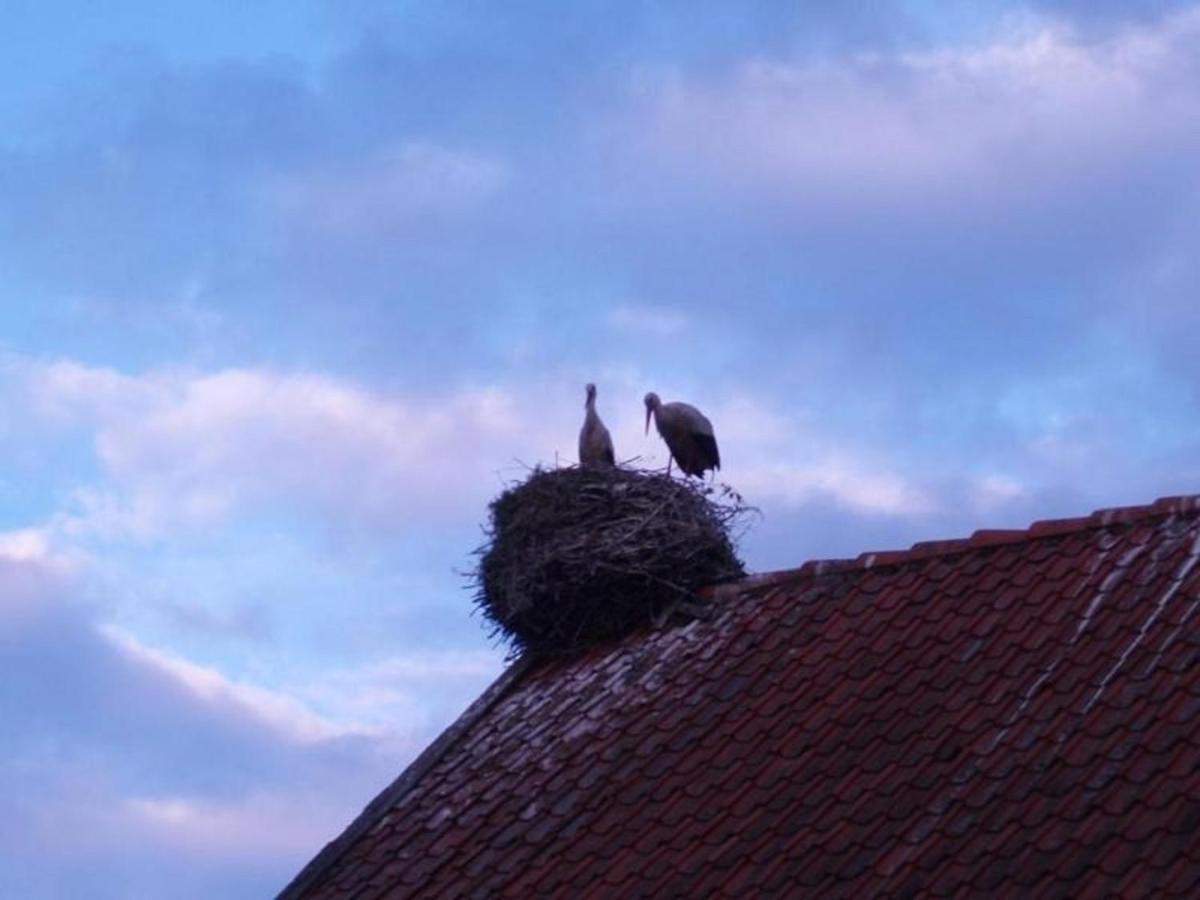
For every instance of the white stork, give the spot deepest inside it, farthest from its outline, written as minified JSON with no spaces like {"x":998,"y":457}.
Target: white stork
{"x":595,"y":443}
{"x":688,"y":433}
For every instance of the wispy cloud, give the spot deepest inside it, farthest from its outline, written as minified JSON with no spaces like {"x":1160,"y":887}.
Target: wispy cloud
{"x":265,"y":825}
{"x":415,"y":185}
{"x":405,"y":691}
{"x":25,"y":544}
{"x":859,"y":490}
{"x":210,"y":687}
{"x":783,"y":459}
{"x":648,"y":321}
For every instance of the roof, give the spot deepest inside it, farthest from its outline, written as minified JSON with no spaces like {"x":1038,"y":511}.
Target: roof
{"x":1014,"y":712}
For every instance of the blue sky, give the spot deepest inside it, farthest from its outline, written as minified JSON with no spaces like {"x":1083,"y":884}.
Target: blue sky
{"x":290,"y":290}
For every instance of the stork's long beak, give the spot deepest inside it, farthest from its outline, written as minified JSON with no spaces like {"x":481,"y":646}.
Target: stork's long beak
{"x":647,"y":431}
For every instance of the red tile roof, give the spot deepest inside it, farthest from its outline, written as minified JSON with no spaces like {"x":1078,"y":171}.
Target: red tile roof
{"x":1017,"y":712}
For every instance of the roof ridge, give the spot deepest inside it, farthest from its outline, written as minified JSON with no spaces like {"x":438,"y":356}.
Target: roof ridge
{"x":407,"y":779}
{"x":983,"y":537}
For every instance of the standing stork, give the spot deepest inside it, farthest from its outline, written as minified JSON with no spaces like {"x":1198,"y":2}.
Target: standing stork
{"x":595,"y":443}
{"x":688,"y":433}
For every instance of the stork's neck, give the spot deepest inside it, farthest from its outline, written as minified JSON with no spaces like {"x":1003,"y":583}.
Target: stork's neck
{"x":654,"y":416}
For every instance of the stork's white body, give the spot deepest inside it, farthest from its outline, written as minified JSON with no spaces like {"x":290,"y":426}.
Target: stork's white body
{"x":595,"y":443}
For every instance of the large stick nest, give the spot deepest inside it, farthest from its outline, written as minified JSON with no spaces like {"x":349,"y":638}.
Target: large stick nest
{"x":577,"y":556}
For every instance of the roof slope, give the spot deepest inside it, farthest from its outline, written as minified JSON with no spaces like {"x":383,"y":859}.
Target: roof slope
{"x":1017,"y":712}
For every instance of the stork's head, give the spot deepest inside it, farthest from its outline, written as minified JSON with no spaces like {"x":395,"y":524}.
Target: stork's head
{"x":652,"y":403}
{"x":591,"y":393}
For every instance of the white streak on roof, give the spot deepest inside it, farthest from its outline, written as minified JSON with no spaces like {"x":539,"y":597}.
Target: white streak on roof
{"x":1026,"y":698}
{"x":1182,"y":573}
{"x":1105,"y":588}
{"x":1170,"y":638}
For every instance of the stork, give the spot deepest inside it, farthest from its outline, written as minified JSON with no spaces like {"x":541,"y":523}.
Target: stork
{"x":595,"y":443}
{"x":688,"y":433}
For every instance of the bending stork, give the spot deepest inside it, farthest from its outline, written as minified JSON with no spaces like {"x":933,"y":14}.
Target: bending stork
{"x":595,"y":443}
{"x":688,"y":433}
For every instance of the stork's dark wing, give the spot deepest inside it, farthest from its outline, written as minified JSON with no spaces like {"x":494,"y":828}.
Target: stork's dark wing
{"x":706,"y":451}
{"x":607,"y":454}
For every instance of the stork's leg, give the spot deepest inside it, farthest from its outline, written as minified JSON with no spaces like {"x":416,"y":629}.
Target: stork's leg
{"x":670,"y":458}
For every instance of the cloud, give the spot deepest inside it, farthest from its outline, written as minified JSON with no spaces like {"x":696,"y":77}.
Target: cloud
{"x":648,"y":321}
{"x":1110,"y":12}
{"x":210,"y":687}
{"x":418,"y":169}
{"x":859,"y":491}
{"x":598,"y":31}
{"x":245,"y":621}
{"x":126,"y":766}
{"x":25,"y":545}
{"x":130,"y":768}
{"x":181,"y":450}
{"x":902,"y":235}
{"x":783,"y":461}
{"x":67,"y":393}
{"x":240,"y":832}
{"x":995,"y":126}
{"x":185,"y":449}
{"x":413,"y":688}
{"x":31,"y":572}
{"x":415,"y":186}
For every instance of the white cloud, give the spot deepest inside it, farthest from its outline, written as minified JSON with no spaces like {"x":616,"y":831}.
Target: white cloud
{"x":414,"y":692}
{"x":775,"y":459}
{"x":25,"y":544}
{"x":278,"y":711}
{"x":995,"y":492}
{"x":412,"y":183}
{"x":784,"y":459}
{"x":651,"y":321}
{"x":182,"y":450}
{"x":186,"y":449}
{"x":846,"y":482}
{"x":67,"y":392}
{"x":34,"y":575}
{"x":985,"y":123}
{"x":258,"y":825}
